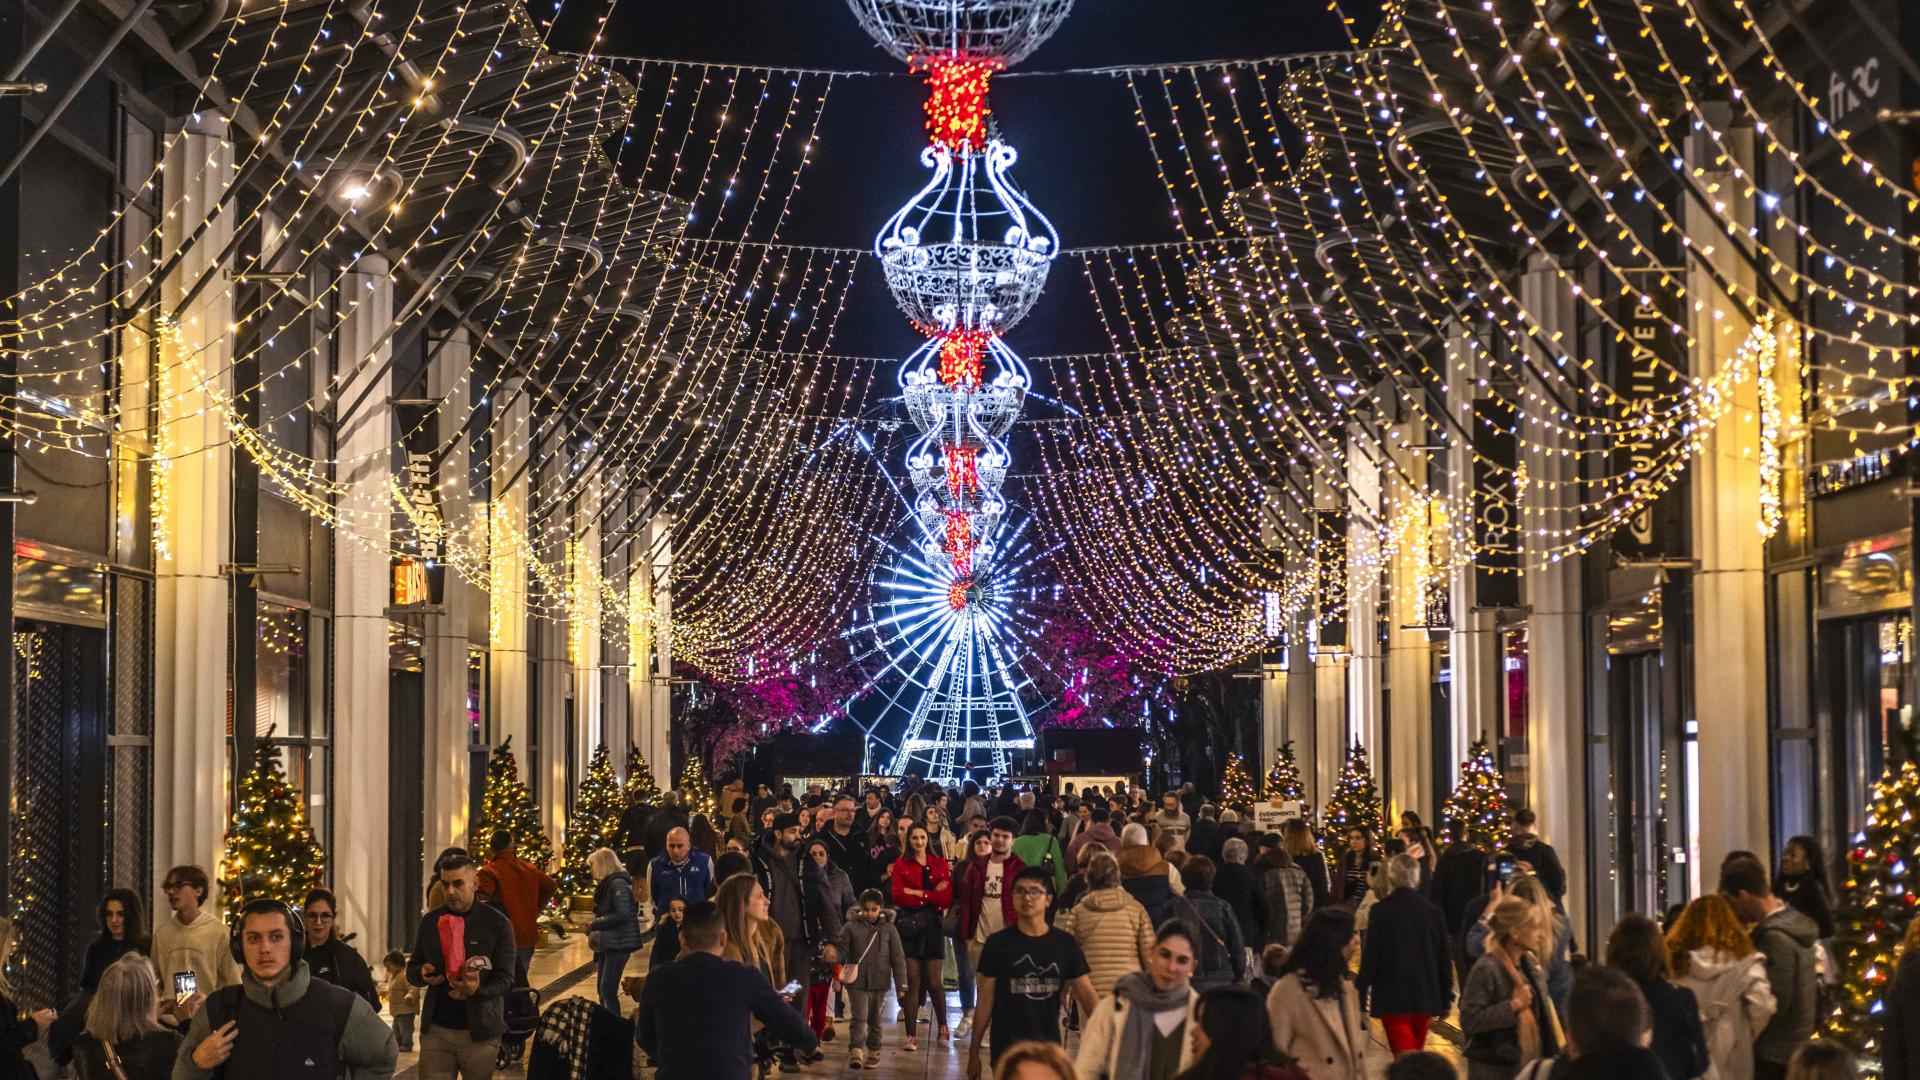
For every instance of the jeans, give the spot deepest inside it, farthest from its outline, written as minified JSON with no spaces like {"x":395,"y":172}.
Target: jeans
{"x":403,"y":1030}
{"x":446,"y":1051}
{"x":611,"y":964}
{"x":963,"y":971}
{"x":865,"y":1005}
{"x":522,"y":964}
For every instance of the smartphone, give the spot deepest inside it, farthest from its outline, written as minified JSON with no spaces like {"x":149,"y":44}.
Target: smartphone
{"x":1503,"y":868}
{"x":791,"y":988}
{"x":184,"y":985}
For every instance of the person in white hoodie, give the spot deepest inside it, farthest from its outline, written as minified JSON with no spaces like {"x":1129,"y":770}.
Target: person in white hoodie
{"x":190,"y":937}
{"x":1713,"y":957}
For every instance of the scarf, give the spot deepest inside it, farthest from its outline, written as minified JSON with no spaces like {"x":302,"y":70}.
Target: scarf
{"x":1136,"y":1039}
{"x":1526,"y":1024}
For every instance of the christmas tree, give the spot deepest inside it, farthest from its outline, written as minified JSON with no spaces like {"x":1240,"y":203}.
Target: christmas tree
{"x":694,"y":786}
{"x":1236,"y":787}
{"x":271,"y":852}
{"x":1284,"y":777}
{"x":1355,"y":803}
{"x":593,"y":824}
{"x":1876,"y":903}
{"x":1477,"y":809}
{"x":641,"y":787}
{"x":507,"y":804}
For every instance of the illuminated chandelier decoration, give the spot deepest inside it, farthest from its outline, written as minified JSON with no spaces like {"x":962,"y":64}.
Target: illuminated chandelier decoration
{"x":965,"y":258}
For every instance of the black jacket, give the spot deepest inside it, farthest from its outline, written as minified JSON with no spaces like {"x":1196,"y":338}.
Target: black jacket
{"x":1808,"y":894}
{"x":143,"y":1057}
{"x":659,"y":824}
{"x":1406,"y":965}
{"x":1679,"y":1039}
{"x":1234,"y":883}
{"x":1316,"y":867}
{"x":340,"y":964}
{"x":1458,"y":877}
{"x":1900,"y":1021}
{"x":694,"y":1018}
{"x":633,"y":827}
{"x":489,"y":934}
{"x":1545,"y":862}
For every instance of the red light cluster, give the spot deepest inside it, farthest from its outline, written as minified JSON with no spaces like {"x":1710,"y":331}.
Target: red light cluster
{"x":963,"y":473}
{"x":957,"y":594}
{"x":963,"y":357}
{"x":960,"y":542}
{"x":957,"y":100}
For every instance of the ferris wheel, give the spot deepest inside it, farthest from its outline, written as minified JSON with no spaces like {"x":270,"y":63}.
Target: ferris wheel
{"x":947,"y":655}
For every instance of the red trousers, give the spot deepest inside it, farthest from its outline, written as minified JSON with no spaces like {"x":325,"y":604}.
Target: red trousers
{"x":1406,"y":1032}
{"x":817,"y":997}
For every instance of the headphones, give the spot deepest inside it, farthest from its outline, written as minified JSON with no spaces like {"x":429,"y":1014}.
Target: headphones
{"x":296,"y":928}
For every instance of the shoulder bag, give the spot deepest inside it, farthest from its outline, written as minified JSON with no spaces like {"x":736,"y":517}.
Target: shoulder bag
{"x":850,"y":972}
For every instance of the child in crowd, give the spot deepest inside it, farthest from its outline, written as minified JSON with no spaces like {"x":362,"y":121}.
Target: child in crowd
{"x":873,"y":946}
{"x":666,"y":935}
{"x":403,"y":998}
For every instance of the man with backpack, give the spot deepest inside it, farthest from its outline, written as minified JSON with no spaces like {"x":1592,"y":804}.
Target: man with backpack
{"x":281,"y":1023}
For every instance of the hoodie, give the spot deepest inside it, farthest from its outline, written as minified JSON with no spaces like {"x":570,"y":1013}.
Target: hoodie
{"x":1143,"y":872}
{"x":1735,"y":1003}
{"x":1786,"y":938}
{"x":367,"y":1045}
{"x":202,"y":946}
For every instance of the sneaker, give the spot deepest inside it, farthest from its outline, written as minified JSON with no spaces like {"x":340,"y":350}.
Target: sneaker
{"x":966,"y":1026}
{"x":945,"y":1036}
{"x":913,"y":1045}
{"x":856,"y":1060}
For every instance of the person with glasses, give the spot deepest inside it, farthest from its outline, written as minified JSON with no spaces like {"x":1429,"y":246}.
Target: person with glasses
{"x":1023,"y":971}
{"x":328,"y":957}
{"x":191,"y":938}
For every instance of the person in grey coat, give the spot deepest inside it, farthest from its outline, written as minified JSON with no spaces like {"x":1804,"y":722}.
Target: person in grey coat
{"x":614,"y":933}
{"x":873,"y":943}
{"x":1785,"y":937}
{"x":1505,"y":1009}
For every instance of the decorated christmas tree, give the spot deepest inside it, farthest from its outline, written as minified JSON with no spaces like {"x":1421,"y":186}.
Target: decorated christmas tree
{"x":696,"y":789}
{"x":1236,"y":787}
{"x":507,"y":804}
{"x":1477,"y":809}
{"x":641,"y":787}
{"x":1355,"y":803}
{"x":1877,"y":901}
{"x":271,"y":851}
{"x":1284,"y":777}
{"x":593,"y":824}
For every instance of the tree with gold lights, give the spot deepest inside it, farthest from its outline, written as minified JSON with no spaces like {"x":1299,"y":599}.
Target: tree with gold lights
{"x":641,"y":788}
{"x":1236,"y":787}
{"x":1356,"y":802}
{"x":507,"y":804}
{"x":271,"y":851}
{"x":594,"y":822}
{"x":1477,"y":809}
{"x":1284,"y":777}
{"x":695,"y":788}
{"x":1877,"y":901}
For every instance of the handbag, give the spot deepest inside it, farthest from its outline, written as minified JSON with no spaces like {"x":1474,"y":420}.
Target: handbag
{"x":850,"y":972}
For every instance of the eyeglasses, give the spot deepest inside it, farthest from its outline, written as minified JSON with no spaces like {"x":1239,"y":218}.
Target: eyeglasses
{"x":170,"y":886}
{"x":1030,"y":891}
{"x":319,"y":916}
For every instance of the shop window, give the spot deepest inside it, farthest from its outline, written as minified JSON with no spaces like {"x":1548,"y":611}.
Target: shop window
{"x":290,"y":703}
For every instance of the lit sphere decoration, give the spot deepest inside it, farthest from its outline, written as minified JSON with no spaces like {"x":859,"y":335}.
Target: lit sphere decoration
{"x":1004,"y":30}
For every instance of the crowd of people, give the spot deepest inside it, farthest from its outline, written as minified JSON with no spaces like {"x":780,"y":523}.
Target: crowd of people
{"x":1160,"y":938}
{"x":1167,"y":937}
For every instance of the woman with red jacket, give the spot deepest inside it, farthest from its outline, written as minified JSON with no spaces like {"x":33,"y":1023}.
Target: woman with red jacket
{"x":922,"y":889}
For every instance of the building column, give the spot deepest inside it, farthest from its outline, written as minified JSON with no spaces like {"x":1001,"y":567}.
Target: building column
{"x":1473,"y":642}
{"x":1551,"y":590}
{"x":1329,"y":677}
{"x":584,"y":619}
{"x":361,"y":590}
{"x":193,"y":452}
{"x":1409,"y":735}
{"x":1365,"y":665}
{"x":616,"y":653}
{"x":444,"y":797}
{"x":653,"y":724}
{"x":507,"y":573}
{"x":553,"y":681}
{"x":1729,"y":591}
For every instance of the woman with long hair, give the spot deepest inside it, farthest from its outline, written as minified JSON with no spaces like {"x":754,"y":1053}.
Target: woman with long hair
{"x":830,"y":900}
{"x":1297,"y":841}
{"x":921,"y":884}
{"x":1505,"y":1009}
{"x":882,"y":848}
{"x":1357,"y":865}
{"x":1713,"y":956}
{"x":979,"y":845}
{"x":123,"y":930}
{"x":946,"y":844}
{"x":614,"y":933}
{"x":18,"y":1030}
{"x":124,"y":1039}
{"x":1233,"y":1039}
{"x":1559,"y":955}
{"x":1802,"y":882}
{"x":1314,"y":1007}
{"x":753,"y":938}
{"x":329,"y":957}
{"x":1637,"y":950}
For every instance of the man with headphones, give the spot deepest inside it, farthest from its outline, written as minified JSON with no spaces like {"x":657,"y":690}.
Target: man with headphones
{"x":281,"y":1023}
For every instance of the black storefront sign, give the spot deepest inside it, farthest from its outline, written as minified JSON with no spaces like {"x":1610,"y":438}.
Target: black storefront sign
{"x":1496,"y":505}
{"x":1646,"y":374}
{"x":420,"y":578}
{"x":1330,"y":565}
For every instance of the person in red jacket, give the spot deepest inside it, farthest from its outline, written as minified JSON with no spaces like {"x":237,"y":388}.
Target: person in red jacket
{"x":922,"y":886}
{"x":521,"y":890}
{"x":986,"y":893}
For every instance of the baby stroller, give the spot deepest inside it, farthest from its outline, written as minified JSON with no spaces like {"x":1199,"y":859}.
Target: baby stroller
{"x":579,"y":1040}
{"x":523,"y":1018}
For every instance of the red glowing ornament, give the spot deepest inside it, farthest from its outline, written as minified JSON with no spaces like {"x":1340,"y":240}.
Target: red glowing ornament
{"x":962,"y":357}
{"x":963,"y":473}
{"x":957,"y":99}
{"x":960,"y":542}
{"x":957,"y":594}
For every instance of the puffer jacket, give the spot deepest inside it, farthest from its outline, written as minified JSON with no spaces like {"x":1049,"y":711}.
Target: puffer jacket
{"x":1114,"y":932}
{"x":615,"y":916}
{"x":1735,"y":1004}
{"x":1286,"y":895}
{"x":885,"y":960}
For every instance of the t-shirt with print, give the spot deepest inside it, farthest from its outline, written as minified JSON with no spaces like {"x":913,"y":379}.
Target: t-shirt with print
{"x":1029,"y":972}
{"x":993,"y":917}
